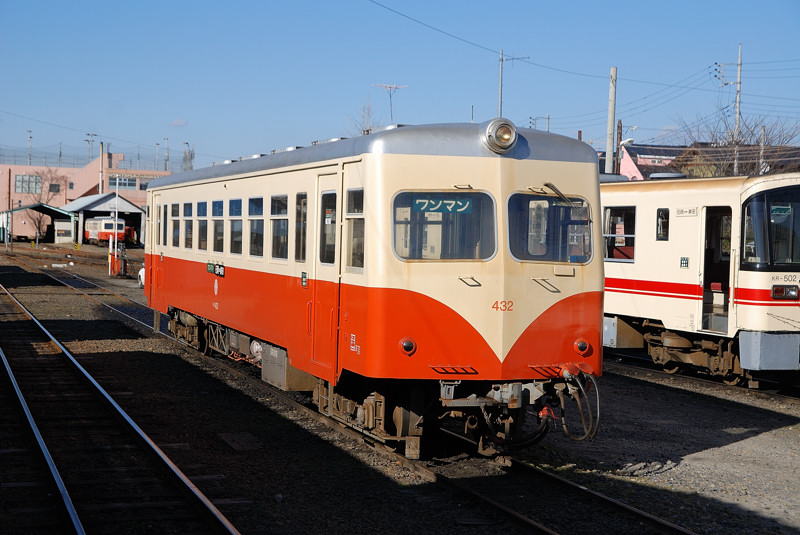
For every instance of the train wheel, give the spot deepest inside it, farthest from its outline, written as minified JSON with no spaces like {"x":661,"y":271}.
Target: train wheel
{"x":733,"y":380}
{"x":671,"y":367}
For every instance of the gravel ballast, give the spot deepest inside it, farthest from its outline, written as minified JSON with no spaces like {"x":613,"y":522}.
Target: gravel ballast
{"x":709,"y":458}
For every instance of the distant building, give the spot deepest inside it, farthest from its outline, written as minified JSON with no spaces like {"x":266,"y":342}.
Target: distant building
{"x":32,"y":185}
{"x":640,"y":162}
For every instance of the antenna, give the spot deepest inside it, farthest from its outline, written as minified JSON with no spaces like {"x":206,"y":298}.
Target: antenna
{"x":390,"y":88}
{"x":503,"y":59}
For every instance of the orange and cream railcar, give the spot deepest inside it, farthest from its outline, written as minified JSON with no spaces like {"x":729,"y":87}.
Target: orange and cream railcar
{"x":705,"y":272}
{"x":99,"y":230}
{"x":404,"y":276}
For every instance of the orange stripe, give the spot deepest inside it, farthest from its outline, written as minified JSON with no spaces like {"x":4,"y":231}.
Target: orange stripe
{"x":373,"y":322}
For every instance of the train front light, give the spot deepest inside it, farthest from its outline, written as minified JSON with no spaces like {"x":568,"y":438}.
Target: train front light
{"x":785,"y":291}
{"x":500,"y":135}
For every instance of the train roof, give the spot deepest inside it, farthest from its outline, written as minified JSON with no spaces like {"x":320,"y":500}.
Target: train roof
{"x":742,"y":183}
{"x":456,"y":139}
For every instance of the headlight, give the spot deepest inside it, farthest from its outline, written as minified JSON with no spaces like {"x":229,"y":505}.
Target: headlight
{"x":785,"y":291}
{"x":500,"y":135}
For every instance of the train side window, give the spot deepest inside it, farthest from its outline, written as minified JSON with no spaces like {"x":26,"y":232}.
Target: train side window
{"x":235,"y":211}
{"x":662,"y":224}
{"x":176,"y":225}
{"x":354,"y":218}
{"x":164,"y":225}
{"x":300,"y":226}
{"x":327,"y":221}
{"x":218,"y":226}
{"x":255,"y":209}
{"x":188,"y":225}
{"x":619,"y":225}
{"x":158,"y":224}
{"x":279,"y":221}
{"x":202,"y":226}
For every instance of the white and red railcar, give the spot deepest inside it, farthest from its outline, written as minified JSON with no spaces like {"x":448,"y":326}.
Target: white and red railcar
{"x":102,"y":229}
{"x":403,"y":276}
{"x":705,"y":272}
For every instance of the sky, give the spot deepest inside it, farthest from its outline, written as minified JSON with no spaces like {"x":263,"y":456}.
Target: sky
{"x":235,"y":78}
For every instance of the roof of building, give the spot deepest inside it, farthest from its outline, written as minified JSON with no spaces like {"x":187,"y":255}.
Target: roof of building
{"x":655,"y":151}
{"x":46,"y":209}
{"x":101,"y":202}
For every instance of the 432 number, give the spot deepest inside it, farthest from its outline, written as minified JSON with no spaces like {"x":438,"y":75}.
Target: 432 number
{"x":503,"y":306}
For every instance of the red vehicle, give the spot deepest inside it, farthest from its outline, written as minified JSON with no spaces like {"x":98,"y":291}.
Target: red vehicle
{"x":99,"y":230}
{"x":409,"y":278}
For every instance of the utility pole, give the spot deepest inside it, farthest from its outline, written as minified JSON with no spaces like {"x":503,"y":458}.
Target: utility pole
{"x":188,"y":157}
{"x":500,"y":89}
{"x":618,"y":159}
{"x":166,"y":154}
{"x":612,"y":99}
{"x":547,"y":124}
{"x":736,"y":131}
{"x":90,"y":141}
{"x":100,"y":183}
{"x":390,"y":88}
{"x":503,"y":59}
{"x":29,"y":147}
{"x":10,"y":215}
{"x":720,"y":69}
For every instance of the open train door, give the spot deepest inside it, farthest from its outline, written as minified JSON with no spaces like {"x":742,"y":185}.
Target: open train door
{"x":716,"y":268}
{"x":327,"y":257}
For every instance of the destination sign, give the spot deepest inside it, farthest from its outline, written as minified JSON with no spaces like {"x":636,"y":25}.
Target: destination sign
{"x":447,"y":205}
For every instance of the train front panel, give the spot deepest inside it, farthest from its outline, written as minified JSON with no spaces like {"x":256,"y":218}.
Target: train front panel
{"x":474,"y":270}
{"x":766,"y":294}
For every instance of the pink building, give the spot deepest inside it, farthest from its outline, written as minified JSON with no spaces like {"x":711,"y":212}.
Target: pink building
{"x":638,"y":162}
{"x":30,"y":185}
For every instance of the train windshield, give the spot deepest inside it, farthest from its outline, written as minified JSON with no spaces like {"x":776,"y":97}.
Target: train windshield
{"x":549,"y":229}
{"x":771,"y":231}
{"x":444,"y":226}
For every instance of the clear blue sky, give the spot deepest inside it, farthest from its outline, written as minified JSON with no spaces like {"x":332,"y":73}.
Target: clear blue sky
{"x":237,"y":78}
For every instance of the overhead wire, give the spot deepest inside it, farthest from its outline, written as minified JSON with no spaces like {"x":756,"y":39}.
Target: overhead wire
{"x":633,"y":108}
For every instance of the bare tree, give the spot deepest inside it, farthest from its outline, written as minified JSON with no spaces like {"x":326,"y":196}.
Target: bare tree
{"x":763,"y":146}
{"x":366,"y":122}
{"x":47,"y":187}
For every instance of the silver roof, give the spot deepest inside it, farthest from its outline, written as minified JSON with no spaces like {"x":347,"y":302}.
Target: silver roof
{"x":457,"y":139}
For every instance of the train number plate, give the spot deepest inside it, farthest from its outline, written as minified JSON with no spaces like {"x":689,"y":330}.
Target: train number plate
{"x":216,"y":269}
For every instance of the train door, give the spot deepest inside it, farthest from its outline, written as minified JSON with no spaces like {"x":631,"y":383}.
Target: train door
{"x":154,"y":271}
{"x":325,"y":323}
{"x":716,"y":276}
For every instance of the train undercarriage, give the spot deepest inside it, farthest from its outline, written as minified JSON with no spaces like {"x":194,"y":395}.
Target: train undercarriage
{"x":717,"y":356}
{"x":498,"y":417}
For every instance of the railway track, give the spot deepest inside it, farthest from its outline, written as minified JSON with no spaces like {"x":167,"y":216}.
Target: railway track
{"x":93,"y":470}
{"x":540,"y":511}
{"x":633,"y":361}
{"x":539,"y":501}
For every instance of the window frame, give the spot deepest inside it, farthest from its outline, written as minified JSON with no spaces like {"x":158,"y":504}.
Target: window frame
{"x":662,"y":224}
{"x":442,"y":192}
{"x":175,"y":226}
{"x":325,"y":250}
{"x":255,"y":215}
{"x":625,"y":236}
{"x":354,"y":224}
{"x":558,"y":242}
{"x":279,"y":227}
{"x":300,"y":226}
